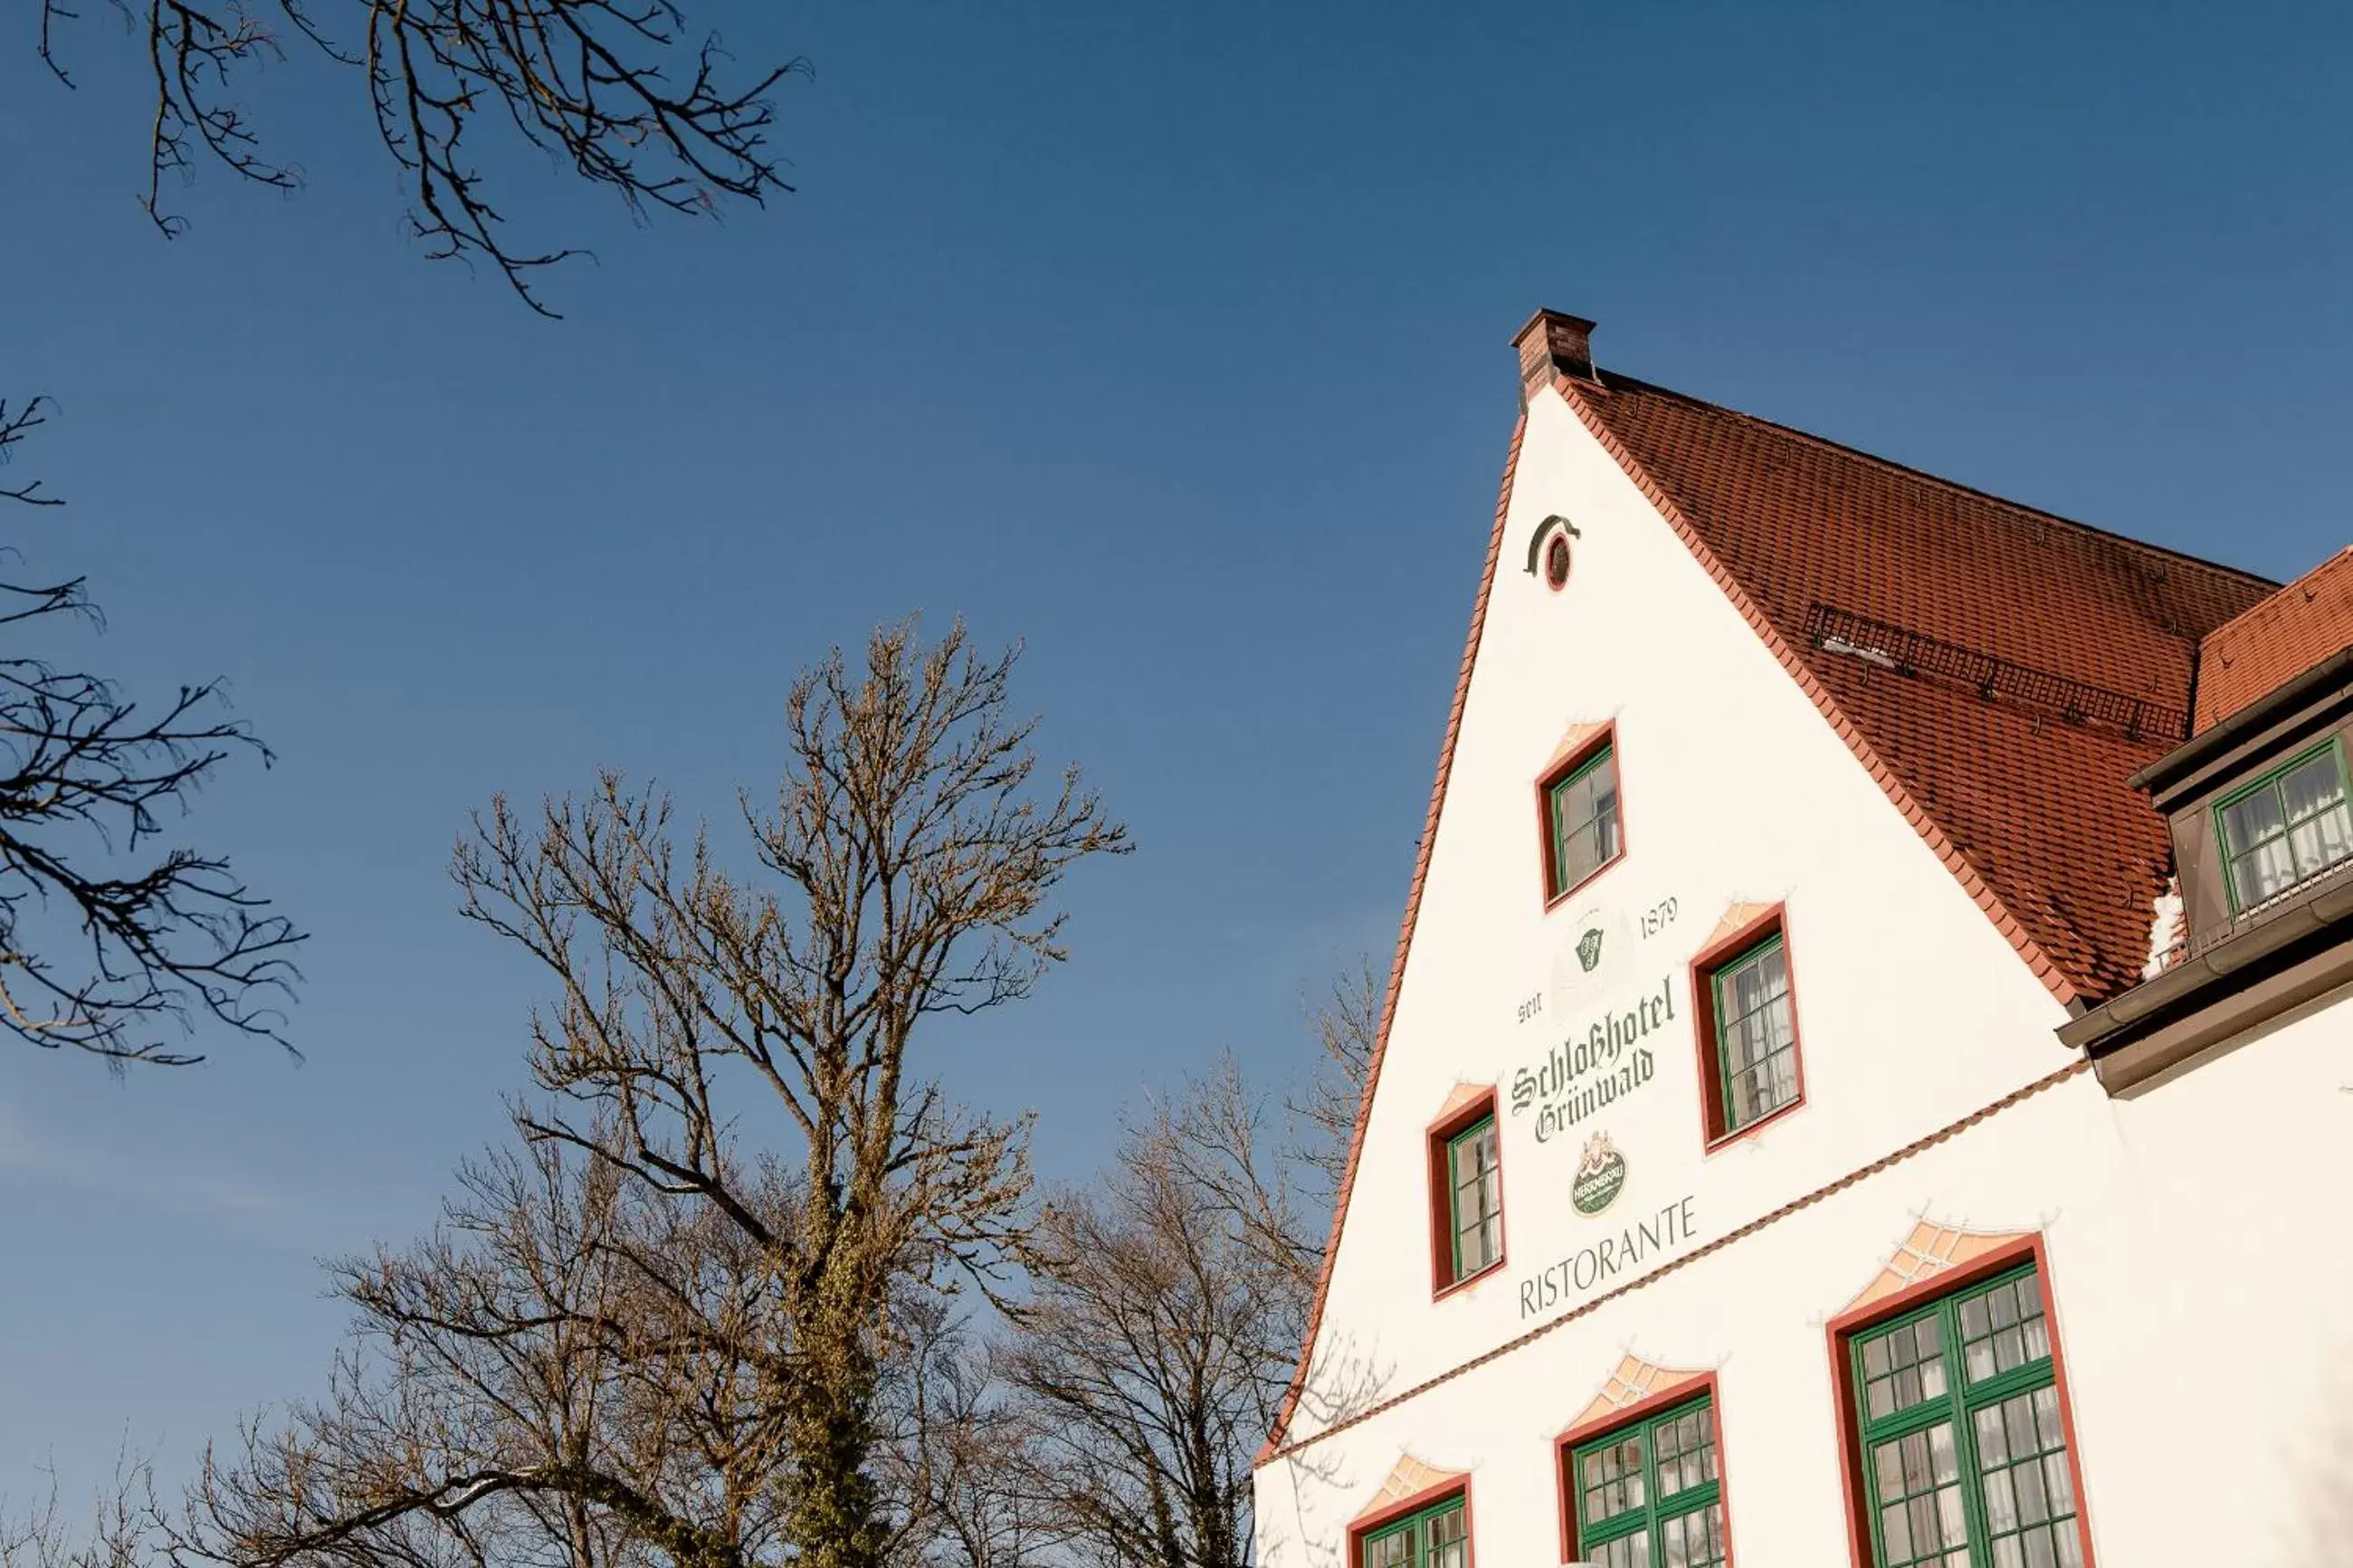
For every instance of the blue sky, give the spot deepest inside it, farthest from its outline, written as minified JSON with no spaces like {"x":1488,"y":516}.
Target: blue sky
{"x":1170,"y":339}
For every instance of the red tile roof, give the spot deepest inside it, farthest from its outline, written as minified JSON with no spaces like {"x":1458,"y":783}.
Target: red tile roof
{"x":2277,"y":640}
{"x":2012,"y":669}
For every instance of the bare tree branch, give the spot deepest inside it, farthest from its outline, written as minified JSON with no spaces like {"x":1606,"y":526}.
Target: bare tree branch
{"x":1347,"y":1026}
{"x":615,"y":90}
{"x":106,"y":944}
{"x":13,"y":426}
{"x":120,"y":1532}
{"x":569,"y":1373}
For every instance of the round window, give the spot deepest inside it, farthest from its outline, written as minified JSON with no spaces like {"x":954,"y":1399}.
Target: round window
{"x":1556,"y":563}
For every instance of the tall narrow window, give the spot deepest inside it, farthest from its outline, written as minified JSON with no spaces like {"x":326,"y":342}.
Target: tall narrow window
{"x":2287,"y":826}
{"x":1581,"y":833}
{"x":1963,"y":1449}
{"x":1748,"y":1027}
{"x":1437,"y":1537}
{"x":1649,"y":1494}
{"x":1475,"y":1204}
{"x":1756,"y":1037}
{"x":1466,"y":1191}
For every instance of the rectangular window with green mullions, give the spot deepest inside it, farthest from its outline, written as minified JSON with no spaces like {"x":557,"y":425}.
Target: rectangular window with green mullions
{"x":1964,"y":1449}
{"x":1474,"y":1198}
{"x":1437,"y":1537}
{"x":1649,"y":1495}
{"x":2286,"y":827}
{"x":1581,"y":821}
{"x":1756,"y":1035}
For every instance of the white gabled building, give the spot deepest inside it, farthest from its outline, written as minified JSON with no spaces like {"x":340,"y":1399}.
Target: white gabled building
{"x":1868,"y":1071}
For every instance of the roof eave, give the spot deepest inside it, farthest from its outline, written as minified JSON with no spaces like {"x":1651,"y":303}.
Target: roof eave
{"x":2279,"y":703}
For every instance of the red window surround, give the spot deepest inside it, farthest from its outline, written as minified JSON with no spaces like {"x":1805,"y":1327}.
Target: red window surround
{"x":1843,"y":1328}
{"x":1442,"y":1281}
{"x":1605,"y":738}
{"x":1371,"y":1523}
{"x":1704,"y":966}
{"x":1584,"y":1432}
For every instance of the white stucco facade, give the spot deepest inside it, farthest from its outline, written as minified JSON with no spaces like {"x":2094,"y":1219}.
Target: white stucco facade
{"x":2190,"y":1236}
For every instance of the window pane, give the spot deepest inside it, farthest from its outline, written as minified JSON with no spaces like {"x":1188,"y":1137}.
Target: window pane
{"x":2321,"y":841}
{"x":2264,"y":870}
{"x":1585,"y":822}
{"x":1476,"y":1199}
{"x":1626,"y":1551}
{"x":1685,"y":1451}
{"x":2029,"y":1499}
{"x":2248,"y":822}
{"x":1446,"y":1540}
{"x":1921,"y":1514}
{"x":1915,"y":1368}
{"x":1613,"y":1480}
{"x":2002,"y":1329}
{"x":1755,"y":1037}
{"x":1694,"y":1540}
{"x":1390,"y":1550}
{"x":2311,"y":786}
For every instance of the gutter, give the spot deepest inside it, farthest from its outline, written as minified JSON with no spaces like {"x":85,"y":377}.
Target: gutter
{"x":2286,"y":956}
{"x":2280,"y":702}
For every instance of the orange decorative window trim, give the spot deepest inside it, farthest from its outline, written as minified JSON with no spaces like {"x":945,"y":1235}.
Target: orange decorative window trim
{"x":1634,"y":1382}
{"x":1411,"y":1484}
{"x":1932,"y":1248}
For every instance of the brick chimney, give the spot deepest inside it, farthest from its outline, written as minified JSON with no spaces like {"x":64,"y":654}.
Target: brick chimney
{"x":1553,"y":344}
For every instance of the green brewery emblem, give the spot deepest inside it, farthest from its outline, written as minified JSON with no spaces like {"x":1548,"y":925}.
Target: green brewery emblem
{"x":1600,"y":1175}
{"x":1588,"y":948}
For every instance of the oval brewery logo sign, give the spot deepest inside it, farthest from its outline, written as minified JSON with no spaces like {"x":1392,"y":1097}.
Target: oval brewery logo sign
{"x":1600,"y":1175}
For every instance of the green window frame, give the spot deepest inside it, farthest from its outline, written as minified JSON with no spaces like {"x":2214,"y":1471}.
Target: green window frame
{"x":1474,"y":1199}
{"x":2285,"y":828}
{"x":1581,"y":821}
{"x":1649,"y":1494}
{"x":1438,"y":1536}
{"x":1756,"y":1033}
{"x":1965,"y":1447}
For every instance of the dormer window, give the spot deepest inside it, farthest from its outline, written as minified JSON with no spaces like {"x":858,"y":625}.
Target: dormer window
{"x":2286,"y":827}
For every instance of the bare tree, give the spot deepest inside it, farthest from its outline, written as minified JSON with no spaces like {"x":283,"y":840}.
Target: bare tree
{"x":724,"y":1306}
{"x":119,"y":1532}
{"x":1274,"y":1182}
{"x":1154,"y":1351}
{"x":108,"y":942}
{"x":573,"y":1372}
{"x":1347,"y":1027}
{"x":613,"y":90}
{"x":1168,"y":1303}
